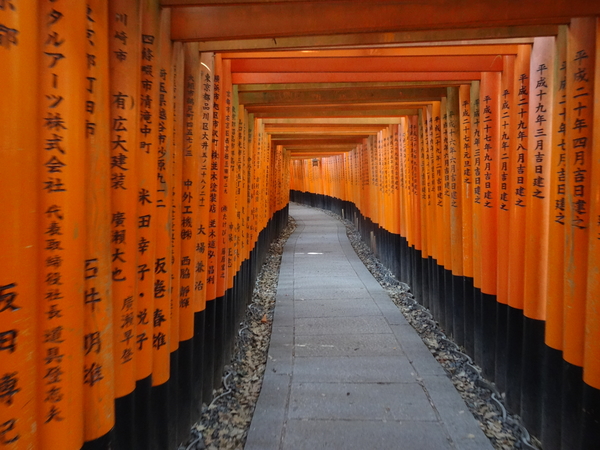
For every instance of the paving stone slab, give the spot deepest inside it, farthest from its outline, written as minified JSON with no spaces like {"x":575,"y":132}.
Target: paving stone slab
{"x":339,"y":292}
{"x":363,"y":435}
{"x":356,"y":369}
{"x":459,"y":423}
{"x":270,"y":415}
{"x":360,"y":401}
{"x":335,"y":308}
{"x":341,"y":325}
{"x":347,"y":345}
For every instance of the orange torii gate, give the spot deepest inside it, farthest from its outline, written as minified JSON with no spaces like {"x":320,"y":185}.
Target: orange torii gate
{"x":149,"y":149}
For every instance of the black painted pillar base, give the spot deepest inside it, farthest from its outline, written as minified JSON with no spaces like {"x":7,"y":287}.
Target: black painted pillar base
{"x":501,"y":346}
{"x":143,"y":408}
{"x":449,"y":303}
{"x":572,"y":396}
{"x":469,"y":296}
{"x":458,"y":289}
{"x":552,"y":399}
{"x":531,"y":387}
{"x":514,"y":348}
{"x":161,"y":435}
{"x":188,"y":392}
{"x":488,"y":322}
{"x":106,"y":442}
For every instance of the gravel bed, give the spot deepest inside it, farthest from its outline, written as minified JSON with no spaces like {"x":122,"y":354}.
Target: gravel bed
{"x":225,"y":421}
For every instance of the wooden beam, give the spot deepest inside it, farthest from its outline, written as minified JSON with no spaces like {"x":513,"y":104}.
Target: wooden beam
{"x":179,"y":3}
{"x":316,"y":154}
{"x":359,"y":121}
{"x":458,"y":36}
{"x":323,"y":135}
{"x":330,"y":128}
{"x":350,"y":77}
{"x":325,"y":143}
{"x":322,"y":147}
{"x":338,"y":106}
{"x":245,"y":21}
{"x":339,"y":113}
{"x":470,"y":63}
{"x":329,"y":86}
{"x":454,"y":50}
{"x":354,"y":96}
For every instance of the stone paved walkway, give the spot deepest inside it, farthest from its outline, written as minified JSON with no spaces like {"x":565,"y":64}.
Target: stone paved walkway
{"x":345,"y":369}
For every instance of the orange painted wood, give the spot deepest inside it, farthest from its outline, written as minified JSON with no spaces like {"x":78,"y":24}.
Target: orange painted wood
{"x":466,"y":36}
{"x":466,"y":171}
{"x":124,"y":62}
{"x":415,"y":156}
{"x":490,"y":133}
{"x":146,"y":164}
{"x":538,"y":177}
{"x":207,"y":101}
{"x":349,"y":77}
{"x":455,"y":180}
{"x":508,"y":117}
{"x":214,"y":171}
{"x":436,"y":194}
{"x":20,"y":288}
{"x":396,"y":187}
{"x":98,"y":393}
{"x":225,"y":205}
{"x":164,"y":301}
{"x":580,"y":101}
{"x":176,"y":205}
{"x":338,"y":17}
{"x":475,"y":63}
{"x":446,"y":234}
{"x":457,"y":50}
{"x":62,"y":224}
{"x":518,"y":185}
{"x":477,"y":165}
{"x":431,"y":117}
{"x":591,"y":363}
{"x":556,"y":226}
{"x":234,"y":170}
{"x":189,"y":216}
{"x":430,"y":177}
{"x":424,"y":174}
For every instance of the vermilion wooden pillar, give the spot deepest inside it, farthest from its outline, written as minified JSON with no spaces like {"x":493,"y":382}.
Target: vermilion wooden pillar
{"x":581,"y":53}
{"x":124,"y":57}
{"x":20,"y":286}
{"x":552,"y":380}
{"x":98,"y":336}
{"x":537,"y":223}
{"x":467,"y":175}
{"x":61,"y":236}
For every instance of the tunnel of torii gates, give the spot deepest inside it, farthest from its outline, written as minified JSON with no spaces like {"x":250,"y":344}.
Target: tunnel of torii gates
{"x":149,"y":152}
